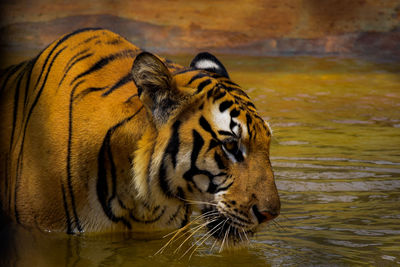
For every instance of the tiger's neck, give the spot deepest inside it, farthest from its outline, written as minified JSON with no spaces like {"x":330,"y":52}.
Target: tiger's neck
{"x":150,"y":198}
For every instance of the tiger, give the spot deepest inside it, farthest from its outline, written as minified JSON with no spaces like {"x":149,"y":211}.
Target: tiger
{"x":98,"y":135}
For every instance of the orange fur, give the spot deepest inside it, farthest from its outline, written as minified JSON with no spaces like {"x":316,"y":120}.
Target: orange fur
{"x":82,"y":149}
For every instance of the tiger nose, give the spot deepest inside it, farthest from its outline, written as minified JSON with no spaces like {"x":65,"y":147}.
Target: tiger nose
{"x":264,"y":215}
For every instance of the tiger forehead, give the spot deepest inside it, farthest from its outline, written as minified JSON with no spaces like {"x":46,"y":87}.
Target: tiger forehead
{"x":232,"y":108}
{"x":194,"y":78}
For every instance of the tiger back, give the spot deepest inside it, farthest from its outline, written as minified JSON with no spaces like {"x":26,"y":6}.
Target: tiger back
{"x":99,"y":136}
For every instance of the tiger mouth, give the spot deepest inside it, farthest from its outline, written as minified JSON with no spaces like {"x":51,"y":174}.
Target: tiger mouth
{"x":223,"y":228}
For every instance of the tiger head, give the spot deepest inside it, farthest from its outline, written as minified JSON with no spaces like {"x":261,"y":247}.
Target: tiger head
{"x":207,"y":149}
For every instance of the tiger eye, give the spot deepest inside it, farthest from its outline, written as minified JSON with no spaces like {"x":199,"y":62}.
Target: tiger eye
{"x":230,"y":145}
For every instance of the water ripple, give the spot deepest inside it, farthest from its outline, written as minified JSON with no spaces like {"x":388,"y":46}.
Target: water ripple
{"x":356,"y":186}
{"x":378,"y":162}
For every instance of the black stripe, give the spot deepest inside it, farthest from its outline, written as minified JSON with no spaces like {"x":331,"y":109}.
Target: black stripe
{"x":213,"y":144}
{"x":130,"y":98}
{"x":219,"y":161}
{"x":87,"y":91}
{"x":124,"y":80}
{"x":85,"y":41}
{"x":203,"y":84}
{"x":248,"y":103}
{"x":162,"y":179}
{"x":5,"y":71}
{"x":173,"y":144}
{"x":211,"y":188}
{"x":15,"y":109}
{"x":181,"y":71}
{"x":232,"y":124}
{"x":104,"y":61}
{"x":207,"y":127}
{"x":234,"y":113}
{"x":240,"y":218}
{"x":69,"y":149}
{"x":186,"y":219}
{"x":68,"y":218}
{"x":224,"y":188}
{"x":219,"y":95}
{"x":66,"y":37}
{"x":231,"y":83}
{"x":238,"y":155}
{"x":28,"y":82}
{"x":113,"y":171}
{"x":225,"y":105}
{"x":197,"y":76}
{"x":248,"y":122}
{"x":198,"y":143}
{"x":148,"y":221}
{"x":102,"y":186}
{"x":74,"y":57}
{"x":19,"y":161}
{"x":73,"y":64}
{"x":236,"y":91}
{"x":173,"y":216}
{"x":114,"y":42}
{"x":222,"y":132}
{"x":180,"y":194}
{"x":210,"y":93}
{"x":13,"y":71}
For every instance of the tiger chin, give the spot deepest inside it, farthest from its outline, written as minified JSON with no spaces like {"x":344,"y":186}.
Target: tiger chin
{"x":100,"y":136}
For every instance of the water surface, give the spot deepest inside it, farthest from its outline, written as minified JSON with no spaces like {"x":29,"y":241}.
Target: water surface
{"x":336,"y":156}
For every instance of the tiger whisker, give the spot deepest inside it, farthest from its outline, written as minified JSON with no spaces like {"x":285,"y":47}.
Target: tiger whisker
{"x":191,"y":201}
{"x":227,"y":239}
{"x":201,"y":216}
{"x":216,"y":240}
{"x":197,"y":229}
{"x":223,"y":240}
{"x":214,"y":229}
{"x":240,"y":235}
{"x":245,"y":235}
{"x":205,"y":238}
{"x":212,"y":247}
{"x":178,"y":231}
{"x":172,"y":239}
{"x":201,"y":202}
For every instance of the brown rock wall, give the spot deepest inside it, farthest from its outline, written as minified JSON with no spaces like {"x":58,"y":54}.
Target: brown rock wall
{"x":261,"y":27}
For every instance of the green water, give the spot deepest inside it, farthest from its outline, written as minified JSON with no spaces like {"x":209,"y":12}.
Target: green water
{"x":336,"y":156}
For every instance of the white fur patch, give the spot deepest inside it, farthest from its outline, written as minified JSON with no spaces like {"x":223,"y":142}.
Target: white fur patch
{"x":235,"y":129}
{"x":269,"y":127}
{"x":202,"y":182}
{"x":206,"y":64}
{"x":221,"y":119}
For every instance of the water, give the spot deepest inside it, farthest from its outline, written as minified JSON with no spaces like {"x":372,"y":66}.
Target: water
{"x":336,"y":156}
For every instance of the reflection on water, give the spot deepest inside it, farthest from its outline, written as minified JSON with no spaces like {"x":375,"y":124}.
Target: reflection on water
{"x":336,"y":158}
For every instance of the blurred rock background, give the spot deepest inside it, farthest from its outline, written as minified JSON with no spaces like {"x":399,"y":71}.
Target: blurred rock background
{"x":366,"y":28}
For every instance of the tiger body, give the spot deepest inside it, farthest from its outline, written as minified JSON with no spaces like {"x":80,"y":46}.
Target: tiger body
{"x":97,"y":136}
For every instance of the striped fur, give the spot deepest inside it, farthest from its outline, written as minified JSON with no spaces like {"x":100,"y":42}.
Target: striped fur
{"x":98,"y":136}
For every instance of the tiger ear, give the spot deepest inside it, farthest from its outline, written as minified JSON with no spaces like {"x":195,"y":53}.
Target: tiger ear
{"x":208,"y":62}
{"x":155,"y":87}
